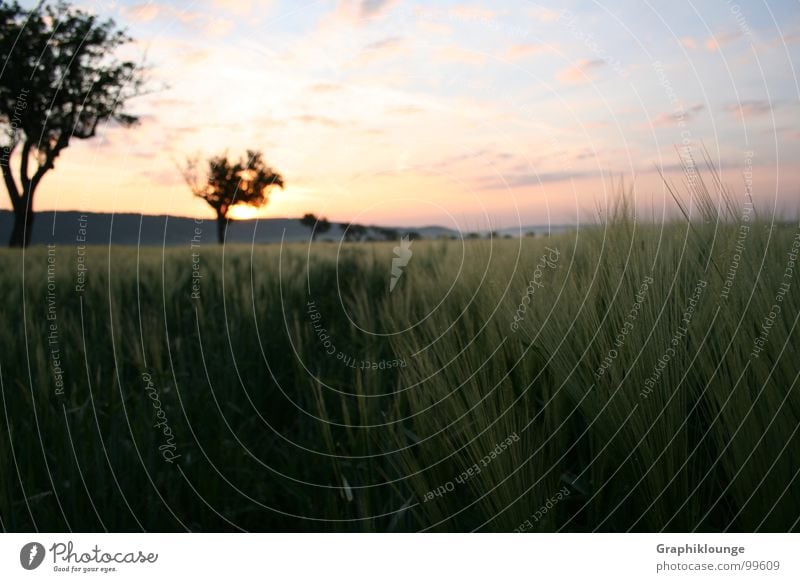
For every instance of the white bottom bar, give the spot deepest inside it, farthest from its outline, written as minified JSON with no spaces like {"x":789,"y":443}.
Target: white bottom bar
{"x":401,"y":557}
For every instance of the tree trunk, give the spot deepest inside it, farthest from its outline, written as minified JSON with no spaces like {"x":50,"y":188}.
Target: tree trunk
{"x":222,"y":226}
{"x":23,"y":228}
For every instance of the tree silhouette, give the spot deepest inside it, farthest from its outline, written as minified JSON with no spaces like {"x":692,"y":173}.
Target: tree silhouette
{"x":59,"y":80}
{"x":317,"y":225}
{"x":323,"y":226}
{"x":227,"y":183}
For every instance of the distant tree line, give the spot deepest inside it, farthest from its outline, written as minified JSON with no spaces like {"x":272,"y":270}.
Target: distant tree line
{"x":354,"y":232}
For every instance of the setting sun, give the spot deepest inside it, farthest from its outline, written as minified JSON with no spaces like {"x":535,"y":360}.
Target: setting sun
{"x":243,"y":212}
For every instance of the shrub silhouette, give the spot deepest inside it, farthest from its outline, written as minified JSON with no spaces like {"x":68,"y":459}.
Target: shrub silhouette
{"x":353,"y":232}
{"x":317,"y":225}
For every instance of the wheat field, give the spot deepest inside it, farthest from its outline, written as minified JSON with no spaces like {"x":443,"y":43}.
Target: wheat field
{"x":627,"y":376}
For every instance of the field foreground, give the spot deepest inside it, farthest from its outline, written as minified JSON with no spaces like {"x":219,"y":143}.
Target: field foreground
{"x":627,"y":377}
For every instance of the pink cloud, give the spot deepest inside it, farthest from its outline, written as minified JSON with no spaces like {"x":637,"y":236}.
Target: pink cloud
{"x":580,"y":72}
{"x":546,"y":15}
{"x":714,"y":43}
{"x":384,"y":48}
{"x":206,"y":23}
{"x":522,"y":51}
{"x":239,"y":7}
{"x":142,"y":12}
{"x":359,"y":10}
{"x":434,"y":28}
{"x":477,"y":13}
{"x":455,"y":54}
{"x":318,"y":120}
{"x":243,"y":7}
{"x":676,"y":117}
{"x":749,"y":108}
{"x":385,"y":44}
{"x":325,"y":88}
{"x":218,"y":28}
{"x":406,"y":110}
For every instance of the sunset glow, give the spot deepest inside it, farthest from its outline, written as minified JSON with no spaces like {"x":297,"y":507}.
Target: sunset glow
{"x":510,"y":114}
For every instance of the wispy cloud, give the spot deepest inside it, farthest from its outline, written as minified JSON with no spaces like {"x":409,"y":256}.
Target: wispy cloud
{"x":405,"y":110}
{"x":360,"y":10}
{"x":325,"y":88}
{"x":518,"y":52}
{"x":218,"y":27}
{"x":747,"y":109}
{"x":473,"y":12}
{"x":141,"y":12}
{"x":675,"y":117}
{"x":484,"y":157}
{"x":524,"y":180}
{"x":436,"y":29}
{"x":204,"y":22}
{"x":545,"y":15}
{"x":238,"y":7}
{"x":385,"y":44}
{"x":714,"y":43}
{"x":785,"y":37}
{"x":581,"y":72}
{"x":456,"y":54}
{"x":382,"y":49}
{"x":318,"y":120}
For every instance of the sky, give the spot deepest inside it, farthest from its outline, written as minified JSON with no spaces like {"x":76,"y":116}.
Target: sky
{"x":455,"y":113}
